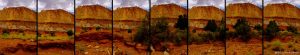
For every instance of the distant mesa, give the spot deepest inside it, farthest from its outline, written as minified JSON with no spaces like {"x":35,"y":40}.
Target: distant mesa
{"x":246,"y":10}
{"x":17,"y":13}
{"x":93,"y":12}
{"x":167,"y":11}
{"x":55,"y":16}
{"x":206,"y":12}
{"x":284,"y":10}
{"x":130,"y":13}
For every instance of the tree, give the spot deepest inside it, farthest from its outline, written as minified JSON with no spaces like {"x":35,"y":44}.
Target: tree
{"x":5,"y":31}
{"x":129,"y":30}
{"x":258,"y":27}
{"x":142,"y":33}
{"x":70,"y":33}
{"x":292,"y":29}
{"x":182,"y":22}
{"x":211,"y":26}
{"x":271,"y":30}
{"x":52,"y":33}
{"x":242,"y":29}
{"x":98,"y":28}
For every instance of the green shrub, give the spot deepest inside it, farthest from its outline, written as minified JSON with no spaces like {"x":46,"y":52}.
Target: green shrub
{"x":277,"y":46}
{"x":258,"y":27}
{"x":211,"y":26}
{"x":129,"y":31}
{"x":52,"y":33}
{"x":70,"y":33}
{"x":5,"y":31}
{"x":182,"y":22}
{"x":98,"y":28}
{"x":242,"y":29}
{"x":271,"y":30}
{"x":292,"y":29}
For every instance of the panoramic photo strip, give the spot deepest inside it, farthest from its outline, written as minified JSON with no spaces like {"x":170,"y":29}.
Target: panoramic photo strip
{"x":149,"y":27}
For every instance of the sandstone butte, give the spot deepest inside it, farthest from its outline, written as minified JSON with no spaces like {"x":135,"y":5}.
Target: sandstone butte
{"x":55,"y":20}
{"x":284,"y":14}
{"x":167,"y":11}
{"x":129,"y":13}
{"x":129,"y":17}
{"x":251,"y":12}
{"x":93,"y":16}
{"x":93,"y":12}
{"x":199,"y":15}
{"x":18,"y":18}
{"x":206,"y":13}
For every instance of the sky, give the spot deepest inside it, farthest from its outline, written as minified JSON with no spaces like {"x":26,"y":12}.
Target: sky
{"x":31,"y":4}
{"x":144,"y":4}
{"x":67,"y":5}
{"x":182,"y":3}
{"x":105,"y":3}
{"x":294,"y":2}
{"x":255,"y":2}
{"x":217,"y":3}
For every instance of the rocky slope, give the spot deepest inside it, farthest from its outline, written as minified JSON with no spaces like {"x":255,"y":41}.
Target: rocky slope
{"x":93,"y":12}
{"x":206,"y":12}
{"x":284,"y":14}
{"x":92,"y":16}
{"x":130,"y":13}
{"x":18,"y":18}
{"x":246,"y":10}
{"x":55,"y":20}
{"x":167,"y":11}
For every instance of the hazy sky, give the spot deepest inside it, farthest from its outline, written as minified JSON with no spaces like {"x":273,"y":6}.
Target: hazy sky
{"x":131,"y":3}
{"x":294,"y":2}
{"x":217,"y":3}
{"x":182,"y":3}
{"x":67,"y":5}
{"x":17,"y":3}
{"x":105,"y":3}
{"x":255,"y":2}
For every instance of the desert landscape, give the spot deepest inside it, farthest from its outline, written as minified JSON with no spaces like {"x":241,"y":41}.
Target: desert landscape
{"x":93,"y":30}
{"x":205,"y":24}
{"x":281,"y":26}
{"x":55,"y":28}
{"x":244,"y":34}
{"x":18,"y":31}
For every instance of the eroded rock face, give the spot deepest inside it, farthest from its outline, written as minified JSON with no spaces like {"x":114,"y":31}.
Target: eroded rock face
{"x":18,"y":18}
{"x":199,"y":16}
{"x":18,"y":13}
{"x":281,"y":10}
{"x":167,"y":11}
{"x":93,"y":12}
{"x":246,"y":10}
{"x":206,"y":12}
{"x":251,"y":12}
{"x":93,"y":16}
{"x":55,"y":20}
{"x":130,"y":13}
{"x":55,"y":16}
{"x":284,"y":14}
{"x":129,"y":17}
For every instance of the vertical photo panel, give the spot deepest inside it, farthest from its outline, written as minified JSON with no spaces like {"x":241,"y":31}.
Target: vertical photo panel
{"x":18,"y":27}
{"x":206,"y":23}
{"x":168,"y":27}
{"x":55,"y":27}
{"x":281,"y":27}
{"x":130,"y":27}
{"x":93,"y":27}
{"x":244,"y":23}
